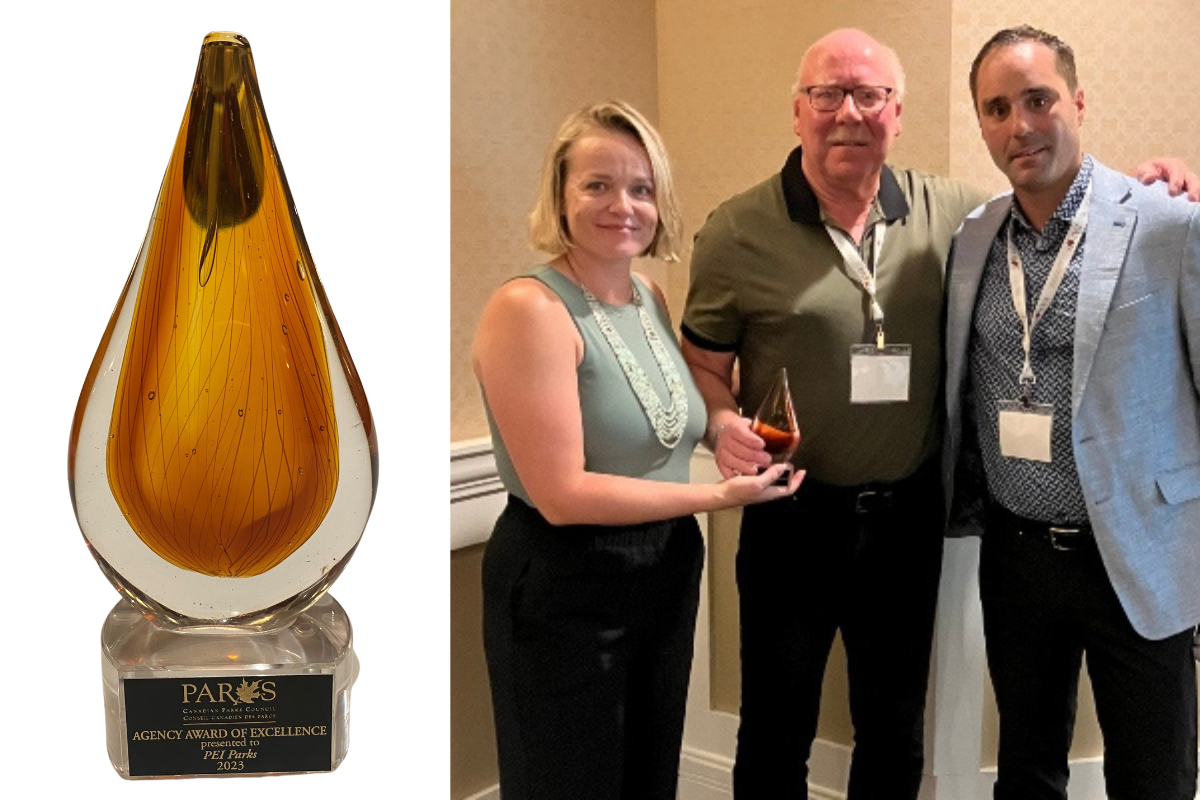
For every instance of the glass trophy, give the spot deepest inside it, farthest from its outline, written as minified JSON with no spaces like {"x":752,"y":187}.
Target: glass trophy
{"x":223,"y":464}
{"x":775,"y":422}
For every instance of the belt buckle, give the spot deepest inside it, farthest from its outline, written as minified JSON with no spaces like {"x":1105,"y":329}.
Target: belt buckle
{"x":1053,"y":533}
{"x":869,"y":500}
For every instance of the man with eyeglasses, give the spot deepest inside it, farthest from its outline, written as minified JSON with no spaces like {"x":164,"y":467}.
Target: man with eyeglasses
{"x":833,"y":269}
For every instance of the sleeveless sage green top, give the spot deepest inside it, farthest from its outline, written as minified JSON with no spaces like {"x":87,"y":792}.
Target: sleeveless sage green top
{"x":617,"y":437}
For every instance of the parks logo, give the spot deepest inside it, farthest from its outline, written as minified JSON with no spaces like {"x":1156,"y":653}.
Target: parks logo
{"x":245,"y":694}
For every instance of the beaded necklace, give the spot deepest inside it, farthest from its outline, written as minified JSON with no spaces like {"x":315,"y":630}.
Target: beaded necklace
{"x":668,"y":423}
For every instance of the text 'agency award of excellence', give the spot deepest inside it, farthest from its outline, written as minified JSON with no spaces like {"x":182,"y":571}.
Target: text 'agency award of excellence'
{"x":223,"y":465}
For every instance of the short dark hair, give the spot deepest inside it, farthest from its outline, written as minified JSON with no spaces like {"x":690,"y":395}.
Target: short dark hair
{"x":1063,"y":54}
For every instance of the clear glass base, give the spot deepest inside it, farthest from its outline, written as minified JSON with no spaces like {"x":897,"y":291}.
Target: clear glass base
{"x":205,"y":702}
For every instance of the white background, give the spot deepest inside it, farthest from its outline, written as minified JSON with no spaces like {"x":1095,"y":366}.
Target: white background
{"x":357,"y":96}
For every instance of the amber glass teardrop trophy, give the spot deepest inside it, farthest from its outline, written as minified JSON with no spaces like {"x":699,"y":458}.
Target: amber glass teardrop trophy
{"x":775,"y":422}
{"x":223,"y":464}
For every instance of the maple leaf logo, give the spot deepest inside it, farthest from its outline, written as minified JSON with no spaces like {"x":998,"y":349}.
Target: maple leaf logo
{"x":247,"y":692}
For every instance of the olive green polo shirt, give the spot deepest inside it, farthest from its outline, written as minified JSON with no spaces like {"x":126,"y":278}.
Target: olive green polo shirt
{"x":769,"y":284}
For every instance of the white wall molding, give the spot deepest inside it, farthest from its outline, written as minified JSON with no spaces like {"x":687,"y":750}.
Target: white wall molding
{"x":476,"y":495}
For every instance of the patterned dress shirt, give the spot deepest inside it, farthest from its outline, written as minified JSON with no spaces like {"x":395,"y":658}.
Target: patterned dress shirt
{"x":1051,"y":491}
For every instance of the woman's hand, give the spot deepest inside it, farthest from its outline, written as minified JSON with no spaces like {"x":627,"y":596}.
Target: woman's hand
{"x":749,"y":489}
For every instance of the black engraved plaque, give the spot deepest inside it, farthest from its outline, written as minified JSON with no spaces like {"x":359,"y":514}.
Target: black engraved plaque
{"x":229,"y":725}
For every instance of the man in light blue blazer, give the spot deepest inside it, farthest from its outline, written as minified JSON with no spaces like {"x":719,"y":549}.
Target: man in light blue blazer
{"x":1073,"y":436}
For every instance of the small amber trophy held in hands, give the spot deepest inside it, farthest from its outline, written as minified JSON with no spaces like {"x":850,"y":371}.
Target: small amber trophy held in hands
{"x":775,"y":422}
{"x":223,"y":464}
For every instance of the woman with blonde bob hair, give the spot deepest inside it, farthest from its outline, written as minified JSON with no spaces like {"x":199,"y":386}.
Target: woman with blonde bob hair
{"x":591,"y":576}
{"x":546,"y":224}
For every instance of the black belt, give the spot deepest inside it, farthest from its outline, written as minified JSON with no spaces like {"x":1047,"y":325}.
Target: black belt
{"x":868,"y":498}
{"x":1058,"y":536}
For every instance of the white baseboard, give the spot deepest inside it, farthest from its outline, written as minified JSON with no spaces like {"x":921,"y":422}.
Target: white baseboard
{"x":704,"y":776}
{"x":487,"y":794}
{"x":828,"y":770}
{"x":709,"y":776}
{"x":1087,"y":778}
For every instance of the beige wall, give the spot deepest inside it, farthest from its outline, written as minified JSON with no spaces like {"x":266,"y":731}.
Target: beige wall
{"x":1132,"y":66}
{"x":714,"y":75}
{"x":518,"y":67}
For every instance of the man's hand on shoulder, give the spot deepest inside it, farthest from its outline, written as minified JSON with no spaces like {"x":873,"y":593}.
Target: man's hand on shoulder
{"x":1174,"y":172}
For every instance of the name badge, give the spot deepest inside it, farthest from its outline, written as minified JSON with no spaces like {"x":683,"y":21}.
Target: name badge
{"x":1025,"y":430}
{"x":880,"y":374}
